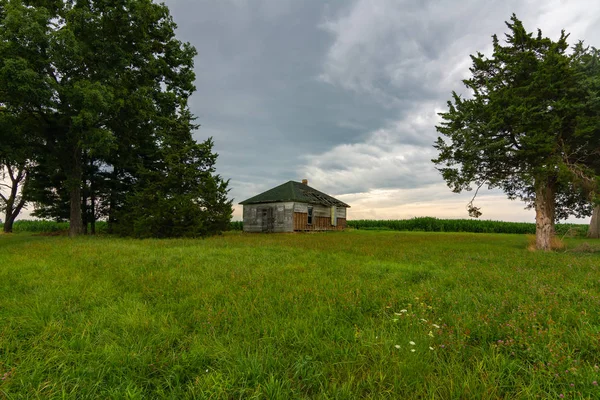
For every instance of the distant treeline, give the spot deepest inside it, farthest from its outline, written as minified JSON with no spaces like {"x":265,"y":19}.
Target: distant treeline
{"x":423,"y":224}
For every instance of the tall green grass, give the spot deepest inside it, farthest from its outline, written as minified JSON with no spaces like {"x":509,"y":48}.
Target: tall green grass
{"x":423,"y":224}
{"x":340,"y":315}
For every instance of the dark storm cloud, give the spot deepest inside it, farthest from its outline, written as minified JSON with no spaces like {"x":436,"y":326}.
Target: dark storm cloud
{"x":344,"y":93}
{"x":258,"y":92}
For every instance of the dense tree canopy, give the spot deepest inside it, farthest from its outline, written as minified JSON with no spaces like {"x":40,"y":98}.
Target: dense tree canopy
{"x":182,"y":197}
{"x":110,"y":84}
{"x":530,"y":126}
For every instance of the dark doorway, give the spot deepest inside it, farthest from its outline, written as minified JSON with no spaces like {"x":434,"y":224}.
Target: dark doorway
{"x":268,"y":220}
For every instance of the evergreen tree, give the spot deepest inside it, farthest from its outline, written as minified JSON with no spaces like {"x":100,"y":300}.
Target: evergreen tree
{"x":530,"y":126}
{"x":182,"y":197}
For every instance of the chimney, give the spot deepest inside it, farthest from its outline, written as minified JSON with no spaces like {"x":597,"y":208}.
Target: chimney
{"x":305,"y":182}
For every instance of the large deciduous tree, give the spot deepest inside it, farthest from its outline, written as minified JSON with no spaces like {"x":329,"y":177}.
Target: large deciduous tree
{"x":22,"y":97}
{"x":16,"y":161}
{"x":111,"y":82}
{"x":528,"y":126}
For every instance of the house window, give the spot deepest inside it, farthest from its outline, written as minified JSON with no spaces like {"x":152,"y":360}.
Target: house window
{"x":310,"y":215}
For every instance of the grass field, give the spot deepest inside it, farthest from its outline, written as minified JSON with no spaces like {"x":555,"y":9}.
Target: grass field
{"x":347,"y":315}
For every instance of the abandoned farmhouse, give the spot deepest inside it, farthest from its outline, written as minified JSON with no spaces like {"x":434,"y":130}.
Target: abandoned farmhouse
{"x":293,"y":207}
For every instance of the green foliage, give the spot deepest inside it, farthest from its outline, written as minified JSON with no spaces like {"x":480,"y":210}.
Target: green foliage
{"x":110,"y":83}
{"x":236,"y":225}
{"x":181,"y":198}
{"x":430,"y":224}
{"x":528,"y":125}
{"x":298,"y":316}
{"x":20,"y":91}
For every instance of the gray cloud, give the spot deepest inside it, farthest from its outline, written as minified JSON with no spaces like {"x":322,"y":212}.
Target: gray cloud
{"x":345,"y":94}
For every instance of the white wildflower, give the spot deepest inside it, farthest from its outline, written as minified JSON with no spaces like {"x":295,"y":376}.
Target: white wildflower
{"x":412,"y":343}
{"x":430,"y":334}
{"x":430,"y":348}
{"x":413,"y":350}
{"x":436,"y":326}
{"x":423,"y":320}
{"x":397,"y":346}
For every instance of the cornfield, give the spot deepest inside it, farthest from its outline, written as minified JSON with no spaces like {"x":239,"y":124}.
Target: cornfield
{"x":236,"y":225}
{"x":430,"y":224}
{"x":43,"y":226}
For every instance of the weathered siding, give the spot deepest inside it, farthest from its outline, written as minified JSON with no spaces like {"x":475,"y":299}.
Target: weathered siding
{"x":319,"y":210}
{"x":258,"y":218}
{"x":288,"y":217}
{"x":300,"y":208}
{"x":319,"y":223}
{"x":321,"y":218}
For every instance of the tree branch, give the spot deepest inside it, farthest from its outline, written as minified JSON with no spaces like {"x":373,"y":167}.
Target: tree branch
{"x":18,"y":208}
{"x":474,"y":211}
{"x":10,"y":173}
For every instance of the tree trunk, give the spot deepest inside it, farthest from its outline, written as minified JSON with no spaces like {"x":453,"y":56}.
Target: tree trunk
{"x":93,"y":213}
{"x":12,"y":211}
{"x":84,"y":209}
{"x":594,"y":230}
{"x":92,"y":194}
{"x":112,"y":202}
{"x":75,"y":220}
{"x":8,"y":224}
{"x":9,"y":216}
{"x":544,"y":213}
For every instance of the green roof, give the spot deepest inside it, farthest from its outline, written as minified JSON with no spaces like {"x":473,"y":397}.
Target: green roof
{"x":295,"y":191}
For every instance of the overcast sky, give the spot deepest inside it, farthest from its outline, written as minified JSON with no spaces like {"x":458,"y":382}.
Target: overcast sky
{"x":346,"y":93}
